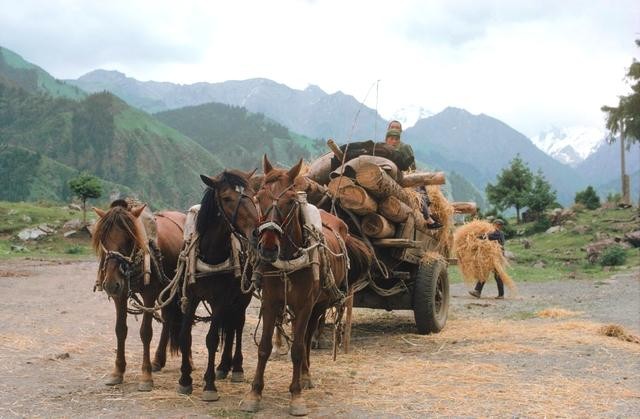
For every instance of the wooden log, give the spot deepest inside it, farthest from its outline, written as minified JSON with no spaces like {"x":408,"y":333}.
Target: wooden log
{"x":320,"y":169}
{"x":465,"y":207}
{"x":378,"y":227}
{"x":397,"y":243}
{"x":339,"y":182}
{"x":356,"y":199}
{"x":422,"y":179}
{"x":336,"y":150}
{"x":315,"y":191}
{"x":380,"y":184}
{"x":394,"y":209}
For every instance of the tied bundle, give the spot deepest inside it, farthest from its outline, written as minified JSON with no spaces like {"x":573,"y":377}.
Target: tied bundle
{"x":443,"y":211}
{"x":477,"y":256}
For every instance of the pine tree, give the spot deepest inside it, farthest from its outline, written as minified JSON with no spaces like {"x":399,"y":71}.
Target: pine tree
{"x":541,"y":196}
{"x":512,"y":188}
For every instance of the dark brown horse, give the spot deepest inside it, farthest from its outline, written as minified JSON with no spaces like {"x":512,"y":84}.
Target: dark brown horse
{"x":227,"y":213}
{"x":283,"y":239}
{"x":120,"y":241}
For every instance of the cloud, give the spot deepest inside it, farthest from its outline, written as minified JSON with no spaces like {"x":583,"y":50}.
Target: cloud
{"x":531,"y":64}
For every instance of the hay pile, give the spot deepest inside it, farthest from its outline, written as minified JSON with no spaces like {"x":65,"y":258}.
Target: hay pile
{"x":478,"y":257}
{"x":443,"y":211}
{"x":615,"y":331}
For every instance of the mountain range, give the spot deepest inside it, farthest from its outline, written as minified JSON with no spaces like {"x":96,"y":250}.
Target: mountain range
{"x":223,"y":121}
{"x":570,"y":146}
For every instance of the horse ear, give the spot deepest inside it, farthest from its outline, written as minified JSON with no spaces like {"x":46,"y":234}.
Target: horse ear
{"x":295,"y":171}
{"x":250,"y":174}
{"x":208,"y":181}
{"x":101,"y":213}
{"x":266,"y":165}
{"x":138,"y":210}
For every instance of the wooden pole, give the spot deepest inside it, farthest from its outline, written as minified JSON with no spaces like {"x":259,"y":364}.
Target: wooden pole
{"x":464,"y":207}
{"x":422,"y":179}
{"x":336,"y":150}
{"x":378,"y":227}
{"x":315,"y":191}
{"x":347,"y":323}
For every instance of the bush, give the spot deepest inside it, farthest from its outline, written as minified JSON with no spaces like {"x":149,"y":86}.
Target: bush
{"x":540,"y":226}
{"x":73,"y":250}
{"x":588,"y":198}
{"x":614,"y":198}
{"x":613,"y":256}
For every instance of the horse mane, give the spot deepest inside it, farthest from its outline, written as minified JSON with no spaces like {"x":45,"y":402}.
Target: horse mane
{"x":118,"y":216}
{"x":209,"y":211}
{"x":274,"y":175}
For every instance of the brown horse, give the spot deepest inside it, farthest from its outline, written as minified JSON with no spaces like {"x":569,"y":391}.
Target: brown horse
{"x":282,"y":238}
{"x":227,"y":211}
{"x":119,"y":240}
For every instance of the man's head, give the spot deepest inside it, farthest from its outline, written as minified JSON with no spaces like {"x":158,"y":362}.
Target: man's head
{"x":394,"y":130}
{"x":498,"y":223}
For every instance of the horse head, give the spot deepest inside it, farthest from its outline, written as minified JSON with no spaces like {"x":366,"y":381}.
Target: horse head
{"x":229,"y":195}
{"x":279,"y":225}
{"x":117,"y":238}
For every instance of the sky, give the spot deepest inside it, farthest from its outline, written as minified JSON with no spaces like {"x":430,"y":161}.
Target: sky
{"x":532,"y":64}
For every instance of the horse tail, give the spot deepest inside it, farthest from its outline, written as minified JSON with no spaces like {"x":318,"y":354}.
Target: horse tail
{"x":173,"y":316}
{"x":360,"y":258}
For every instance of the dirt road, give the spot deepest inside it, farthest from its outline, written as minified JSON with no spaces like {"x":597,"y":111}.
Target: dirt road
{"x":540,"y":354}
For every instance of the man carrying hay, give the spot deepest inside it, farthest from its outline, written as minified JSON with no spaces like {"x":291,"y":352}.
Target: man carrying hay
{"x":496,"y":235}
{"x":479,"y":248}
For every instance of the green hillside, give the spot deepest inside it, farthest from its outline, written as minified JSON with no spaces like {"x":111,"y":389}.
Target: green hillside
{"x":239,"y":137}
{"x":32,"y":78}
{"x":104,"y":136}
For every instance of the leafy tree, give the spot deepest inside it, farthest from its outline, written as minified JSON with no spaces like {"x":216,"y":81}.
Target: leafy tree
{"x":541,"y":196}
{"x":588,"y":198}
{"x":624,"y":119}
{"x":512,"y":188}
{"x":85,"y":186}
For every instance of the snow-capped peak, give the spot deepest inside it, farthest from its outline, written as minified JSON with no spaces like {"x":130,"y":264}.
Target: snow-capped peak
{"x":411,"y":114}
{"x":570,"y":145}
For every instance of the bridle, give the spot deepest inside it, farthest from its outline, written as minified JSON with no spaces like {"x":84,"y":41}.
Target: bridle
{"x":269,"y":223}
{"x":231,"y":222}
{"x":126,"y":264}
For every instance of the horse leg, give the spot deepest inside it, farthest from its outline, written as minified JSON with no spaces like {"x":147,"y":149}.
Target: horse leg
{"x":146,"y":334}
{"x":237,"y":375}
{"x":160,"y":357}
{"x":297,"y":406}
{"x":314,"y":321}
{"x":251,"y":403}
{"x":185,"y":383}
{"x":121,"y":334}
{"x":225,"y":359}
{"x":210,"y":393}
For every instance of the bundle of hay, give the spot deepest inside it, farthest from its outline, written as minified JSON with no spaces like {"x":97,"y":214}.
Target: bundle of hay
{"x":479,"y":257}
{"x":443,"y":211}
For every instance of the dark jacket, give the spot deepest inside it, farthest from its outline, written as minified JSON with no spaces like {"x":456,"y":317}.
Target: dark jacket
{"x":498,"y":236}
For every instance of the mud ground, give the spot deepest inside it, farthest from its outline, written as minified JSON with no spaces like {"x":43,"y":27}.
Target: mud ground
{"x":537,"y":354}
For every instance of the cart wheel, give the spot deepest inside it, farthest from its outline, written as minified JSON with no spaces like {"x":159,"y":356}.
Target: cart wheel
{"x":431,"y":297}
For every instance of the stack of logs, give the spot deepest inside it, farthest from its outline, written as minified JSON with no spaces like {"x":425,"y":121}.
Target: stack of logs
{"x":381,"y":201}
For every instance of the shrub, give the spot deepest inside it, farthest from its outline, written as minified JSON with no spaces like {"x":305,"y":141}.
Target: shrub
{"x":613,"y":256}
{"x":614,"y":198}
{"x":541,"y":225}
{"x":73,"y":250}
{"x":588,"y":198}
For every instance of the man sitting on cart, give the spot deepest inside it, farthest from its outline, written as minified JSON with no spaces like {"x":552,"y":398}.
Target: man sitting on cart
{"x":406,"y":161}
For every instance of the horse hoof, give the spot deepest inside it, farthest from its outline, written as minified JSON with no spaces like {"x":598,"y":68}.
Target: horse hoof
{"x":221,"y":374}
{"x":237,"y":377}
{"x":114,"y":380}
{"x":145,"y":386}
{"x":251,"y":406}
{"x":306,"y":383}
{"x":185,"y":389}
{"x":210,"y":396}
{"x":156,"y":367}
{"x":298,"y":407}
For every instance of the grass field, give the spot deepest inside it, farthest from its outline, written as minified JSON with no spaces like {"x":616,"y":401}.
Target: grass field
{"x":562,"y":254}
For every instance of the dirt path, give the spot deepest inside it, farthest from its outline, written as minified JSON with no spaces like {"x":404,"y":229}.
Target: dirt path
{"x":494,"y":358}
